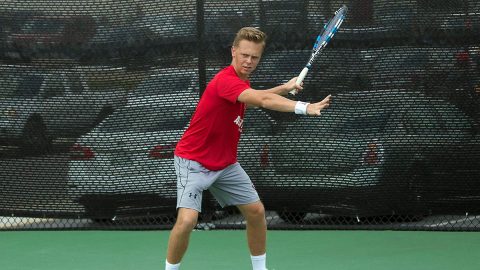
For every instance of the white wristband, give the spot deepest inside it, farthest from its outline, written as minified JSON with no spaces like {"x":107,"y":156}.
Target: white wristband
{"x":301,"y":107}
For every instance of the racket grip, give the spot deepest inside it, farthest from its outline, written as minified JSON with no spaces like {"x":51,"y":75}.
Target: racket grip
{"x":300,"y":79}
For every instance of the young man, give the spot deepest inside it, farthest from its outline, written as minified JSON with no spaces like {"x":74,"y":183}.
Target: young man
{"x":206,"y":155}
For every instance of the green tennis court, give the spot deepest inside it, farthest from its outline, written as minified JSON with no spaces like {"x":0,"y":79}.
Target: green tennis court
{"x":133,"y":250}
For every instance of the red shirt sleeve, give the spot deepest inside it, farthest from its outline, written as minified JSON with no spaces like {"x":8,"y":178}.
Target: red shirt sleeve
{"x":230,"y":87}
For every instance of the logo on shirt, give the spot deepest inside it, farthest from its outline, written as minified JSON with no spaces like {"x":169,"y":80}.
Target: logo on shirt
{"x":239,"y":122}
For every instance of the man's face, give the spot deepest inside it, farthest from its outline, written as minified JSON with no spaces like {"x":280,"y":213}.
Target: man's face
{"x":245,"y":57}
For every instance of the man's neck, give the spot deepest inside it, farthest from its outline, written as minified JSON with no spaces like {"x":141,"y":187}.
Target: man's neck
{"x":243,"y":77}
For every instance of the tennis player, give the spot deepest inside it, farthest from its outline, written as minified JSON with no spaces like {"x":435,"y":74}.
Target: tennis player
{"x":206,"y":155}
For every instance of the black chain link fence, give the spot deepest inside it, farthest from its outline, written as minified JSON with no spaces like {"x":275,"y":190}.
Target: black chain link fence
{"x":95,"y":94}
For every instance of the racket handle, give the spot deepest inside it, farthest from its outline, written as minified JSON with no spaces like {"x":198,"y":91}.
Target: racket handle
{"x":300,"y":79}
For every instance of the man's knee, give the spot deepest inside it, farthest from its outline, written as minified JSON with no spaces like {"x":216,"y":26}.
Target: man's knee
{"x":254,"y":211}
{"x":186,"y":219}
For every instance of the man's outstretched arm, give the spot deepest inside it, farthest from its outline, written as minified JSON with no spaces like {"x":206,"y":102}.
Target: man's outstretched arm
{"x":276,"y":102}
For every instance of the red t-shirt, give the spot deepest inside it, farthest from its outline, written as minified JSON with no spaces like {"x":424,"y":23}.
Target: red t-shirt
{"x":214,"y":131}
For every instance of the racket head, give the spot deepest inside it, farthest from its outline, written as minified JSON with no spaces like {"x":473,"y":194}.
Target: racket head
{"x":330,"y":28}
{"x":328,"y":31}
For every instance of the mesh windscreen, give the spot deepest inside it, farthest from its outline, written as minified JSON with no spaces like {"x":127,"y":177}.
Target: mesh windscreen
{"x":95,"y":95}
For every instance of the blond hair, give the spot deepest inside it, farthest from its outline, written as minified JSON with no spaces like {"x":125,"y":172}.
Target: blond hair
{"x":250,"y":34}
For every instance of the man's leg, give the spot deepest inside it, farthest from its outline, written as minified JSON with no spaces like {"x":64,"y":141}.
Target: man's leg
{"x":254,"y":213}
{"x":180,"y":234}
{"x":234,"y":187}
{"x":190,"y":185}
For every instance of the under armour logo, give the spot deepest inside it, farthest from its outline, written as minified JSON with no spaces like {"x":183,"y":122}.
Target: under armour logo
{"x":192,"y":195}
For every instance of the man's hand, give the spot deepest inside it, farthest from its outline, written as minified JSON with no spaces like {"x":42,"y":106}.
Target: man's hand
{"x":314,"y":109}
{"x":290,"y":85}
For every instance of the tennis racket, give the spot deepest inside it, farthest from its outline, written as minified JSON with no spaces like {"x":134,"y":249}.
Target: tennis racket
{"x":329,"y":30}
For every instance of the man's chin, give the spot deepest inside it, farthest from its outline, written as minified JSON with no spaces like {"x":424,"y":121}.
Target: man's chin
{"x":247,"y":71}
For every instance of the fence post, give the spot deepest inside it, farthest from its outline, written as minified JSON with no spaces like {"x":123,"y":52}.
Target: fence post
{"x":201,"y":48}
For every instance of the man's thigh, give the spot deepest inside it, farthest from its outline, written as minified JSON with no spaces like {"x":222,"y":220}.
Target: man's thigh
{"x":234,"y":187}
{"x":192,"y":180}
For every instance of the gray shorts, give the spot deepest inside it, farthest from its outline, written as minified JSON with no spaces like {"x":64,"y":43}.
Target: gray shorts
{"x":230,"y":186}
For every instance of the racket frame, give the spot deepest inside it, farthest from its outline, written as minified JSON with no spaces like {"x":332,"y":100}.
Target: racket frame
{"x":321,"y":43}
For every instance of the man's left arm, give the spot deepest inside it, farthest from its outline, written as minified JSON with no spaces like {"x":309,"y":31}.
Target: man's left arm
{"x":281,"y":90}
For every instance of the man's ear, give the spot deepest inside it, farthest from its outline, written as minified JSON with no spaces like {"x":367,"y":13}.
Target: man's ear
{"x":233,"y":51}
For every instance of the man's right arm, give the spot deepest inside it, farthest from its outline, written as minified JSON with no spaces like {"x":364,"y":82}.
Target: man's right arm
{"x":285,"y":88}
